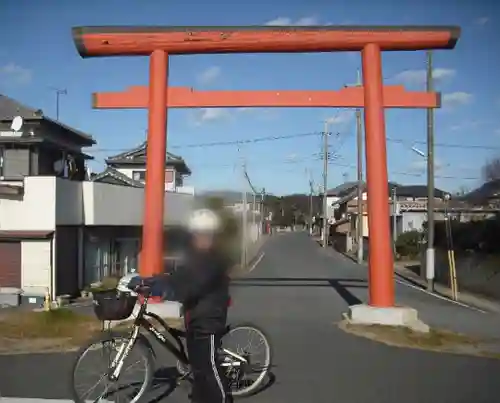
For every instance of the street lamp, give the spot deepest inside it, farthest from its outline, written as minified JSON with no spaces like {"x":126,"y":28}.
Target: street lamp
{"x":419,"y":152}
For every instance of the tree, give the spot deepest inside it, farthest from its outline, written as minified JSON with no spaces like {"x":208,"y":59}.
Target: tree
{"x":491,"y":170}
{"x":462,"y":191}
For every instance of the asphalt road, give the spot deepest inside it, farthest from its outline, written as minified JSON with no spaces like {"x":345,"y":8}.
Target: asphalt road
{"x":297,"y":293}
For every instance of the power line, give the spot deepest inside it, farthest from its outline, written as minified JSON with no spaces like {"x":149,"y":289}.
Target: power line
{"x":446,"y":145}
{"x":292,"y":136}
{"x":224,"y":143}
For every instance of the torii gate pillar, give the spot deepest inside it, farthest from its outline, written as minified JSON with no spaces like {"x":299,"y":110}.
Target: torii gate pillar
{"x":154,"y":188}
{"x":380,"y":263}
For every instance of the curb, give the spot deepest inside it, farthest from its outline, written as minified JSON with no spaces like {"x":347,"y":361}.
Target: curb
{"x":474,"y":300}
{"x":255,"y":255}
{"x":466,"y":297}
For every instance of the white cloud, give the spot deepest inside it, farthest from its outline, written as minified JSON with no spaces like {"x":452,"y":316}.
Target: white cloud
{"x":283,"y":21}
{"x":209,"y":75}
{"x":458,"y":98}
{"x":481,"y":21}
{"x":12,"y":73}
{"x":307,"y":21}
{"x":341,"y":118}
{"x":418,"y":77}
{"x":209,"y":115}
{"x":466,"y":125}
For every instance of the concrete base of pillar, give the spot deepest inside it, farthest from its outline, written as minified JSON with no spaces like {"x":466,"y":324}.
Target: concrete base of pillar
{"x":393,"y":316}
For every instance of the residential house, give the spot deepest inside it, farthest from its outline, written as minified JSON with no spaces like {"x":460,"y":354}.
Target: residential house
{"x":46,"y":149}
{"x":407,"y":208}
{"x":50,"y":215}
{"x":406,"y":214}
{"x":129,"y":169}
{"x":342,"y":204}
{"x":43,"y":146}
{"x":409,"y":213}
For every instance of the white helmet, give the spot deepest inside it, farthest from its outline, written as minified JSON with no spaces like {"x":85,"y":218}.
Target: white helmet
{"x":204,"y":221}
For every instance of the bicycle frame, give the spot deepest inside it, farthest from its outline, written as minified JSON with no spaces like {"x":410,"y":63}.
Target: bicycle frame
{"x":178,"y":351}
{"x":142,"y":321}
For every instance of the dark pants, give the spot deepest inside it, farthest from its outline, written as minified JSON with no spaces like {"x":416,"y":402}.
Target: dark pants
{"x":210,"y":383}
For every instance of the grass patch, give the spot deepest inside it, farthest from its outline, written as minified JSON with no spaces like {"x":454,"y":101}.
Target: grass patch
{"x":58,"y":323}
{"x":56,"y":330}
{"x":435,"y":340}
{"x":401,"y":335}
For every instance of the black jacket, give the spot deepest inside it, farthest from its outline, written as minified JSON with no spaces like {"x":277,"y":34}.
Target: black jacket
{"x":202,"y":286}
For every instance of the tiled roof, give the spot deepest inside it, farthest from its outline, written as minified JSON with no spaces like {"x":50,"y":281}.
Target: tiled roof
{"x":140,"y":151}
{"x":118,"y":176}
{"x":10,"y":108}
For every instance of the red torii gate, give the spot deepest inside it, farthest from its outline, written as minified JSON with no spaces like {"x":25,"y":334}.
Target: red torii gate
{"x":160,"y":42}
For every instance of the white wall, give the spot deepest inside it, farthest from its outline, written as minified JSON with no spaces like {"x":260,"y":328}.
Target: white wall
{"x":88,"y":203}
{"x":36,"y":266}
{"x":35,"y":210}
{"x":106,"y":204}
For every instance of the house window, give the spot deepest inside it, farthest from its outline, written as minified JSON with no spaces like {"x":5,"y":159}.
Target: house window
{"x":139,"y":175}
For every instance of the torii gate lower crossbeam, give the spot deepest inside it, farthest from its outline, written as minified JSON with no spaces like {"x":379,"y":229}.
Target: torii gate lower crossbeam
{"x":137,"y":97}
{"x":159,"y":42}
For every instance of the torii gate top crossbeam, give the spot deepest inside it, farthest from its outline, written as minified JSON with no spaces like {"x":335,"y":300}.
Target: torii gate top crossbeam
{"x":142,"y":41}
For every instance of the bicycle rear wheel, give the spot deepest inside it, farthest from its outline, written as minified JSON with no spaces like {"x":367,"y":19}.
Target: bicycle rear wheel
{"x":246,"y":377}
{"x":99,"y":355}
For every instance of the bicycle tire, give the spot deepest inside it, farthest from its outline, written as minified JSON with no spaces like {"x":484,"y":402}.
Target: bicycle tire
{"x":144,"y":350}
{"x":257,"y":385}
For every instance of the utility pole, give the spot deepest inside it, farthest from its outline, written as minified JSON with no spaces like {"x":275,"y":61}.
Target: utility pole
{"x":262,"y":210}
{"x":244,"y":219}
{"x":311,"y":191}
{"x":254,"y":207}
{"x":325,"y":185}
{"x":311,"y":184}
{"x":59,"y":92}
{"x":359,"y":141}
{"x":429,"y":253}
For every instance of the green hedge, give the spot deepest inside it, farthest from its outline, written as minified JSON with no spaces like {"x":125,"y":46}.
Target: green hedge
{"x":477,"y":236}
{"x":409,"y":244}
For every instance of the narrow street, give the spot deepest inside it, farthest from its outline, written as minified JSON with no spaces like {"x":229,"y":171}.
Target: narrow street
{"x":297,"y":293}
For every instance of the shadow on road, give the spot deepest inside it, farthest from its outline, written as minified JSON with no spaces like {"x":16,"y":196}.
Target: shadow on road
{"x":341,"y":286}
{"x":164,"y":383}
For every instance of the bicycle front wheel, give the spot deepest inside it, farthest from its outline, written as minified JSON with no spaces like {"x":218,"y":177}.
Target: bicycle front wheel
{"x":90,"y":380}
{"x":246,"y":359}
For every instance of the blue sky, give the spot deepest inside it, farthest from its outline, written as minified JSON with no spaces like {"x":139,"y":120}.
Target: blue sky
{"x":37,"y":54}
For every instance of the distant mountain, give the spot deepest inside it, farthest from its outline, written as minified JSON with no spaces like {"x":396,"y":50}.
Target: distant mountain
{"x":230,"y":197}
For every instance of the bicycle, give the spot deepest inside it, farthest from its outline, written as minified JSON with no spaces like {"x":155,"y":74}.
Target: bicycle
{"x":118,"y":305}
